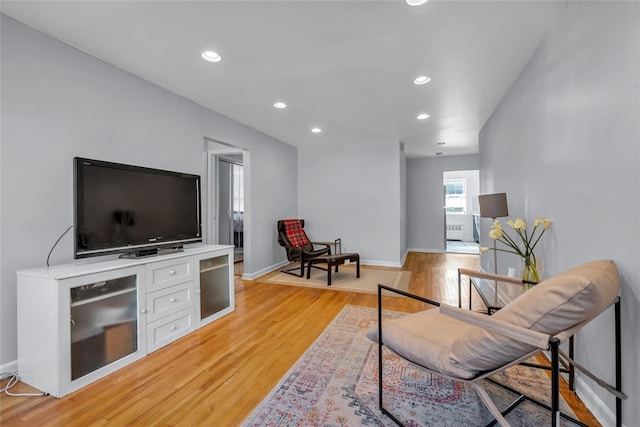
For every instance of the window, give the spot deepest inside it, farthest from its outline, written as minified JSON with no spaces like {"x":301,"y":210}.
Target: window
{"x":455,"y":191}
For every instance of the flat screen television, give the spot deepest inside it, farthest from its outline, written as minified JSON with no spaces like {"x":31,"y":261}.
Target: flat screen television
{"x":133,"y":210}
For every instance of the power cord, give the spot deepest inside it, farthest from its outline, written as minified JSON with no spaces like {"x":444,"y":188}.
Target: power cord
{"x":13,"y":380}
{"x":56,"y":243}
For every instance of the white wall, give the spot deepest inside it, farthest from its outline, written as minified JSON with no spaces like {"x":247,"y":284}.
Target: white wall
{"x":353,"y":191}
{"x":565,"y":143}
{"x":425,"y":213}
{"x":58,"y":102}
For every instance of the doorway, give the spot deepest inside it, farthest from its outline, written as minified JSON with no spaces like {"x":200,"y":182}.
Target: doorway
{"x":231,"y":204}
{"x":228,"y":217}
{"x":461,"y":225}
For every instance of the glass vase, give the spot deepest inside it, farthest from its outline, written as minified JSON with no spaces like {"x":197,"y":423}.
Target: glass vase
{"x":531,"y":269}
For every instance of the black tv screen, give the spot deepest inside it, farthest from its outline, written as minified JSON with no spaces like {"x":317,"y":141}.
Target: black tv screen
{"x":131,"y":209}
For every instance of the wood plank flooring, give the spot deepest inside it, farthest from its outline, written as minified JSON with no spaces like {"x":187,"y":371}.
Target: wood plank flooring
{"x":218,"y":374}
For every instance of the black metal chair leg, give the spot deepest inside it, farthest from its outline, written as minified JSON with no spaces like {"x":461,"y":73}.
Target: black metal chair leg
{"x":618,"y":364}
{"x":380,"y":350}
{"x":572,"y":371}
{"x":555,"y":382}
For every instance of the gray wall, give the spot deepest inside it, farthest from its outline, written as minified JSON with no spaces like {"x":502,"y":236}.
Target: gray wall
{"x":565,"y":144}
{"x":353,"y":191}
{"x":403,"y":206}
{"x":58,"y":102}
{"x":425,"y":213}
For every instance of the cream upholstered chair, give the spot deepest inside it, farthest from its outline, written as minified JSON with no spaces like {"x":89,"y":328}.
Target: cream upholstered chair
{"x":467,"y":346}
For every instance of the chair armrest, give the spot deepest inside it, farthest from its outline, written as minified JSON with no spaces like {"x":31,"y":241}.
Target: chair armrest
{"x":327,"y":245}
{"x":491,"y":276}
{"x":406,"y":294}
{"x":534,"y":338}
{"x":337,"y":243}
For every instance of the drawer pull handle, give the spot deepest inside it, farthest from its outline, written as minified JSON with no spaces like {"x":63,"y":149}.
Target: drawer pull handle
{"x":173,"y":300}
{"x":174,"y":327}
{"x":172,"y":272}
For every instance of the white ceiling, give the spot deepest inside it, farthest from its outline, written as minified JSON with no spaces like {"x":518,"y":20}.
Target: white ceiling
{"x":345,"y":66}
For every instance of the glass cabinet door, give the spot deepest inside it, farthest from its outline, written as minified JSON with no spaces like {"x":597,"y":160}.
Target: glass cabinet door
{"x":103,"y":324}
{"x":214,"y":285}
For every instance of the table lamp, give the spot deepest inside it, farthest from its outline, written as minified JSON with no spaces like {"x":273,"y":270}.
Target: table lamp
{"x":493,"y":206}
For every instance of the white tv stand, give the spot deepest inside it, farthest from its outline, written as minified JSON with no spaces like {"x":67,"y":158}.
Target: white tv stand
{"x":79,"y":322}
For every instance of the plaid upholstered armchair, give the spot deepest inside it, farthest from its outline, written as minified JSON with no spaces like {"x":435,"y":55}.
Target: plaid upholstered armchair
{"x":299,"y":248}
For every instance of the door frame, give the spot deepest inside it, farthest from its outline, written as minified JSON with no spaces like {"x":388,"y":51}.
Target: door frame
{"x":211,"y":166}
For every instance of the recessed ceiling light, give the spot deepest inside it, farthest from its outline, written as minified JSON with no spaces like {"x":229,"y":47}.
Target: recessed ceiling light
{"x":316,"y":130}
{"x":440,"y":143}
{"x":420,"y":80}
{"x":280,"y":105}
{"x":416,"y":2}
{"x":422,"y":116}
{"x":211,"y":56}
{"x":439,"y":153}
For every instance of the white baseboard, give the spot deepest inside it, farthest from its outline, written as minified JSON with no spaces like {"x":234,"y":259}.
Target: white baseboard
{"x":603,"y":414}
{"x":269,"y":269}
{"x":432,"y":251}
{"x":10,"y":367}
{"x":380,"y":263}
{"x":404,"y":257}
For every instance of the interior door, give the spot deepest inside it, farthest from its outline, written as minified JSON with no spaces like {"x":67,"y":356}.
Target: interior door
{"x":231,"y":204}
{"x":225,"y":220}
{"x":237,"y":210}
{"x":444,"y":212}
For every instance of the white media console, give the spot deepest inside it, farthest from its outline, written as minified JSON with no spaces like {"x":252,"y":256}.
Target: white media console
{"x":80,"y":322}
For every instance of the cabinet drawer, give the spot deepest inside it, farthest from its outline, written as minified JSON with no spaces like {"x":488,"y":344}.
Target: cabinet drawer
{"x":170,"y":328}
{"x":169,"y":300}
{"x":164,"y":274}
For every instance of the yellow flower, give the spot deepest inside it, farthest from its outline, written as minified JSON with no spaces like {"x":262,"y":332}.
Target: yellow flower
{"x":546,"y":223}
{"x":483,"y":249}
{"x":518,"y":223}
{"x":496,"y":233}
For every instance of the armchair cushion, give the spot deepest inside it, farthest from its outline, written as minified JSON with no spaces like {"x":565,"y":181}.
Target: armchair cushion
{"x":294,"y":228}
{"x":426,"y":338}
{"x":552,"y":306}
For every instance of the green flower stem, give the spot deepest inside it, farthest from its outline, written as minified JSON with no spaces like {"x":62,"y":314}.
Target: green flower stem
{"x":530,"y":271}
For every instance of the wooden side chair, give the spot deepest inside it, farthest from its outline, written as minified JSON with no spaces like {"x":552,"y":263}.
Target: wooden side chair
{"x":466,"y":346}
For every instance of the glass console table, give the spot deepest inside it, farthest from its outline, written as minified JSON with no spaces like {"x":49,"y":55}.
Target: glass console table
{"x":495,"y":291}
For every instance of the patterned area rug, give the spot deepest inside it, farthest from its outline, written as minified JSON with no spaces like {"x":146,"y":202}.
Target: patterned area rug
{"x":335,"y":384}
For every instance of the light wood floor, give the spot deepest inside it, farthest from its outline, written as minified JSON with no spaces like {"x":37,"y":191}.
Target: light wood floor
{"x":218,"y":374}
